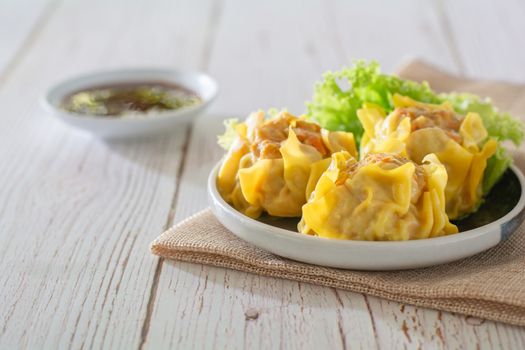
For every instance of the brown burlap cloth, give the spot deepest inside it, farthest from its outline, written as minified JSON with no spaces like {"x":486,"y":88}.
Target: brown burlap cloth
{"x":489,"y":285}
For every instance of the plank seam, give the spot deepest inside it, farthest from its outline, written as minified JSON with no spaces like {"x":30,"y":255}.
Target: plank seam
{"x":340,"y":319}
{"x":374,"y":328}
{"x":216,"y":14}
{"x":169,"y":222}
{"x":151,"y":303}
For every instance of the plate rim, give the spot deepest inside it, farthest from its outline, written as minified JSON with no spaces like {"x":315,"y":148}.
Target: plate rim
{"x":414,"y":243}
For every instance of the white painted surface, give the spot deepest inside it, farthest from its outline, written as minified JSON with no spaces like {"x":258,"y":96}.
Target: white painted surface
{"x":20,"y":21}
{"x":77,"y":215}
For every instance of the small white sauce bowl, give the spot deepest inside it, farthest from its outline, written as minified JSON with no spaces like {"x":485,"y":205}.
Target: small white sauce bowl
{"x":135,"y":126}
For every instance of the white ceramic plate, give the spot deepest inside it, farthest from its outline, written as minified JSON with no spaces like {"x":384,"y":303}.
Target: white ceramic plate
{"x":494,"y":222}
{"x":200,"y":83}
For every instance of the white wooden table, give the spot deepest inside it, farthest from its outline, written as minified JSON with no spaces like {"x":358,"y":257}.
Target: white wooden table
{"x":77,"y":215}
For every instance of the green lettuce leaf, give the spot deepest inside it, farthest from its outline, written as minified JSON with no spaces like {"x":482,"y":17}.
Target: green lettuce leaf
{"x":501,"y":126}
{"x":226,"y":140}
{"x":335,"y":108}
{"x":496,"y":166}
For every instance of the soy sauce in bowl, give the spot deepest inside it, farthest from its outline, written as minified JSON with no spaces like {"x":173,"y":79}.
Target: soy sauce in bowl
{"x":132,"y":102}
{"x":124,"y":100}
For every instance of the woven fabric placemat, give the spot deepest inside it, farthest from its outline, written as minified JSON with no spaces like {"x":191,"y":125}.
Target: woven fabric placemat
{"x":489,"y":285}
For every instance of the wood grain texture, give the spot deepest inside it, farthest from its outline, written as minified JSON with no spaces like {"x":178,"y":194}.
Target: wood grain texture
{"x":390,"y":32}
{"x":201,"y":306}
{"x":228,"y":309}
{"x":20,"y":22}
{"x":490,"y":43}
{"x":78,"y":214}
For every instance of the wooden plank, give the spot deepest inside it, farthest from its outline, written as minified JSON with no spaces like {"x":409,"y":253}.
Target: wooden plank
{"x":408,"y":326}
{"x":402,"y":325}
{"x":269,"y":45}
{"x":20,"y":21}
{"x":227,"y":309}
{"x":220,"y":306}
{"x":427,"y":328}
{"x":54,"y":293}
{"x":488,"y":36}
{"x":390,"y":32}
{"x":201,"y":306}
{"x":78,"y":214}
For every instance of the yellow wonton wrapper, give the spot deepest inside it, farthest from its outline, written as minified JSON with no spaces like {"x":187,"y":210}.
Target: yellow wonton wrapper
{"x":465,"y":162}
{"x":377,"y":203}
{"x":277,"y":186}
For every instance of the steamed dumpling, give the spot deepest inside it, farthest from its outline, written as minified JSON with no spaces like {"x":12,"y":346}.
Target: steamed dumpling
{"x":416,"y":129}
{"x":268,"y":167}
{"x":381,"y":197}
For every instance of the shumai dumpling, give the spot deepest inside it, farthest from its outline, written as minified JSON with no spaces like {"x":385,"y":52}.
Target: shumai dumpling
{"x":382,"y":197}
{"x":267,"y":168}
{"x":415,"y":129}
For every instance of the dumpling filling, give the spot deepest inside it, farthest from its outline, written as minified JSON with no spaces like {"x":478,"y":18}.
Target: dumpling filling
{"x":416,"y":129}
{"x":268,"y":166}
{"x":382,"y":197}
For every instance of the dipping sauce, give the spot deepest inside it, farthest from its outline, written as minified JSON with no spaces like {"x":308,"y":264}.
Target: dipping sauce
{"x":130,"y":99}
